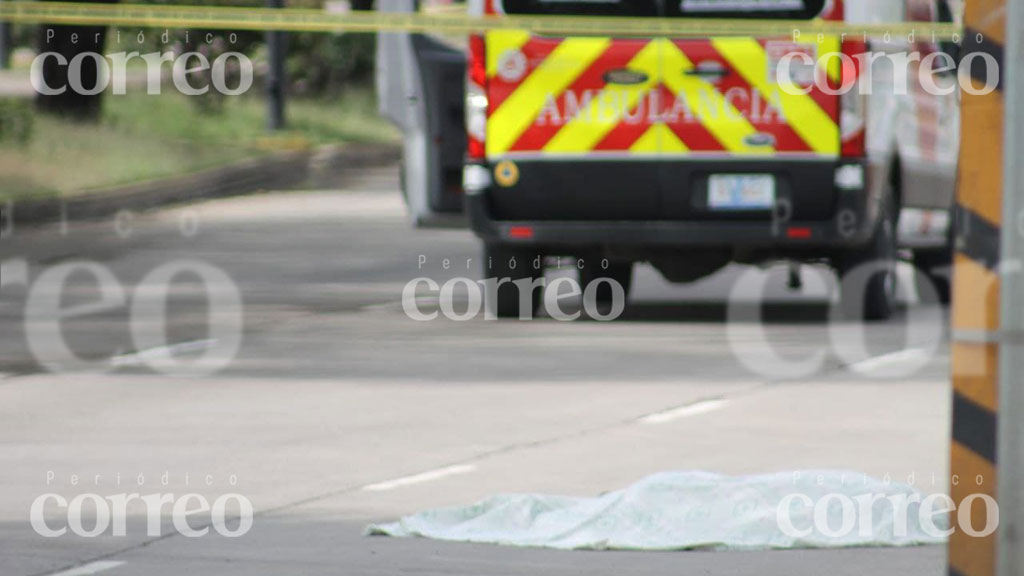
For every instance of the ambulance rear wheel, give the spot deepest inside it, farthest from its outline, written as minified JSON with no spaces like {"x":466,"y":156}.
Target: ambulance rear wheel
{"x":514,"y":269}
{"x":868,"y":275}
{"x":933,"y":278}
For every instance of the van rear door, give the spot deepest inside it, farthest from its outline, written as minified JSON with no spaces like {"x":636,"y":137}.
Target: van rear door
{"x":552,"y":97}
{"x":569,"y":97}
{"x":724,"y":99}
{"x":421,"y":88}
{"x":589,"y":97}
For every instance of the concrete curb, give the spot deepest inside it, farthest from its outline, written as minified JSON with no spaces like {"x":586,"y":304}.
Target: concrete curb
{"x":279,"y":171}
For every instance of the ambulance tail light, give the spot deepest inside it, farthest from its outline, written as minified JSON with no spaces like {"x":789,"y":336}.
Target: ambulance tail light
{"x":853,"y":111}
{"x":476,"y":97}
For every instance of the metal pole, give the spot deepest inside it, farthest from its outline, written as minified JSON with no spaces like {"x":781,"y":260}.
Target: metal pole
{"x":1011,"y":349}
{"x":276,"y":49}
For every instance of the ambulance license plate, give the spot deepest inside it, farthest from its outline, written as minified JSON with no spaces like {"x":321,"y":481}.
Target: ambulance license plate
{"x":741,"y":191}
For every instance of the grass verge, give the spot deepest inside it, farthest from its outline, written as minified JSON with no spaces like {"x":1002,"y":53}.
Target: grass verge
{"x":143,"y":138}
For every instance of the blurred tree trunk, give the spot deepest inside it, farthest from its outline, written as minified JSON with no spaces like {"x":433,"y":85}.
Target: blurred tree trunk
{"x":5,"y":45}
{"x":69,"y":42}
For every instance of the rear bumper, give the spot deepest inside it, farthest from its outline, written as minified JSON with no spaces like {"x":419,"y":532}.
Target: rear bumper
{"x":663,"y":204}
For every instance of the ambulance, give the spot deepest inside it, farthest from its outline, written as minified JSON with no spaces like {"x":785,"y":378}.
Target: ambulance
{"x":685,"y":153}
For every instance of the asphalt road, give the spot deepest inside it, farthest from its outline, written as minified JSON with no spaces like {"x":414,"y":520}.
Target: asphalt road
{"x":336,"y":403}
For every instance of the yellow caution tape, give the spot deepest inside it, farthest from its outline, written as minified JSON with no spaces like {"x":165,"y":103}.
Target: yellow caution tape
{"x":308,"y":20}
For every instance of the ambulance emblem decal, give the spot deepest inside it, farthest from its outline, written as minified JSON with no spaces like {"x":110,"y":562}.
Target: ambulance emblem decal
{"x":512,"y":66}
{"x":506,"y":173}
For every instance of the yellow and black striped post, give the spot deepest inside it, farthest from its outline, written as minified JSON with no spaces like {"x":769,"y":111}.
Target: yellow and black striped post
{"x":985,"y":349}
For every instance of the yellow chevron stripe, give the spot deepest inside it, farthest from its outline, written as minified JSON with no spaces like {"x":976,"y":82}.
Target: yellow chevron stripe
{"x":834,"y":65}
{"x":722,"y":119}
{"x":570,"y":59}
{"x":670,"y":143}
{"x":605,"y":111}
{"x":655,"y":139}
{"x":499,"y":43}
{"x":805,"y":117}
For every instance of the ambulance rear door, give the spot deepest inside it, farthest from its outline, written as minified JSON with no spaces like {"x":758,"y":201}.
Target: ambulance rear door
{"x":420,"y":88}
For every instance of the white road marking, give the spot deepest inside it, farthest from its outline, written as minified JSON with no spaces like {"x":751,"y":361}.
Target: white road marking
{"x":421,"y":478}
{"x":139,"y":358}
{"x":909,"y":355}
{"x":90,"y":568}
{"x":702,"y":407}
{"x":400,"y":305}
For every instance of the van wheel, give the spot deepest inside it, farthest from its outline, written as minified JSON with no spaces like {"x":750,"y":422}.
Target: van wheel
{"x":620,"y":272}
{"x":869,"y":281}
{"x":935,"y":269}
{"x":515,"y":264}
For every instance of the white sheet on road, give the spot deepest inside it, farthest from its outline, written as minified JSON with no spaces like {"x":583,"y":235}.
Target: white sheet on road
{"x":690,"y":510}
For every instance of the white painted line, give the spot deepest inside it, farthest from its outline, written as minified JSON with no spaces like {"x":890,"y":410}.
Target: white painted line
{"x":383,"y":306}
{"x":420,"y":478}
{"x":421,"y":301}
{"x":139,"y":358}
{"x":702,"y":407}
{"x":90,"y":568}
{"x":908,"y":356}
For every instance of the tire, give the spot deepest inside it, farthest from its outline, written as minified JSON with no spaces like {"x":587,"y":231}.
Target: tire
{"x":869,"y":280}
{"x":498,"y":264}
{"x":934,"y":269}
{"x":620,"y":272}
